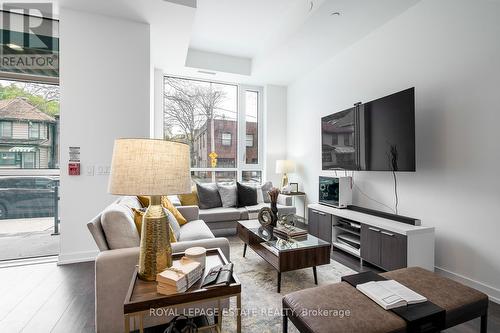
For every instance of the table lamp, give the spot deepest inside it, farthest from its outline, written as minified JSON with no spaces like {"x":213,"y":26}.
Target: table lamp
{"x":151,"y":168}
{"x":284,"y":167}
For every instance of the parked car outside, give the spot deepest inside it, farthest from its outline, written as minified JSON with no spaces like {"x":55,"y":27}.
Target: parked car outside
{"x":27,"y":196}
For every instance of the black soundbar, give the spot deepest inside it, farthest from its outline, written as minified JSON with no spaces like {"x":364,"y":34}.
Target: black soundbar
{"x":389,"y":216}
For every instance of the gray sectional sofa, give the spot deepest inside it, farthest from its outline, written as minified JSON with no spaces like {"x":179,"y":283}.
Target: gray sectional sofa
{"x":114,"y":266}
{"x":117,"y":238}
{"x":225,"y":218}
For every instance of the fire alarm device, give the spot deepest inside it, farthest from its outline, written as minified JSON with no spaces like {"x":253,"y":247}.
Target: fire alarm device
{"x":74,"y":169}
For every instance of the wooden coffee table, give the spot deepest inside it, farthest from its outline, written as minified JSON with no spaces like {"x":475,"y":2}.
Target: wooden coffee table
{"x":142,"y":295}
{"x":285,"y":255}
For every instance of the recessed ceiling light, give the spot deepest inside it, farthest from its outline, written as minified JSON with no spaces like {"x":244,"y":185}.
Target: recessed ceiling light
{"x":335,"y":14}
{"x":207,"y":72}
{"x":15,"y":47}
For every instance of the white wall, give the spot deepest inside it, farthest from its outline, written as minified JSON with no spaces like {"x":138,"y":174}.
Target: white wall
{"x":105,"y":80}
{"x":275,"y":98}
{"x":449,"y":51}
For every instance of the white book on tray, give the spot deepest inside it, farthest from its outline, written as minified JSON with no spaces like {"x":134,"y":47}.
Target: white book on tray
{"x":390,"y":294}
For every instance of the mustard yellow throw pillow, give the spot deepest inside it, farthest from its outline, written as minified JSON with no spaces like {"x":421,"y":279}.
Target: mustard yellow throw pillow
{"x":190,"y":199}
{"x":144,"y":200}
{"x":168,"y":205}
{"x":139,"y":214}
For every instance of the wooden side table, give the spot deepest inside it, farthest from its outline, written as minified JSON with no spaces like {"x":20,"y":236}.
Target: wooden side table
{"x":142,"y":295}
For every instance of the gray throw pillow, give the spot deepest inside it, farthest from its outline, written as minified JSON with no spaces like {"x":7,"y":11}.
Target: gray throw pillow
{"x":228,"y":195}
{"x":208,"y":196}
{"x":173,"y":222}
{"x":266,"y":187}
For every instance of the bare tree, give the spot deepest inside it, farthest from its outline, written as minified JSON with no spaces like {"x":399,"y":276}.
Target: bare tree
{"x":47,"y":91}
{"x":189,"y":107}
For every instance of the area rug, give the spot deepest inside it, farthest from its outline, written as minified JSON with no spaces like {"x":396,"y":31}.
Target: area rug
{"x":261,"y":304}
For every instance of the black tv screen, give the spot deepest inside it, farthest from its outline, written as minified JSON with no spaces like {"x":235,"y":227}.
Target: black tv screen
{"x":374,"y":136}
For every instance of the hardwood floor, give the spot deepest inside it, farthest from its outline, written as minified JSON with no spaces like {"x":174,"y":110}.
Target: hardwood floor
{"x":47,"y":298}
{"x":50,"y":298}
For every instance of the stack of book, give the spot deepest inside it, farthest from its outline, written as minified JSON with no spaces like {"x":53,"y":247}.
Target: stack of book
{"x":180,"y":277}
{"x":290,"y":233}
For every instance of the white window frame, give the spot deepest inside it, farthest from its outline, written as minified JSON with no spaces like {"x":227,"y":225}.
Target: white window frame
{"x":158,"y":124}
{"x":243,"y":166}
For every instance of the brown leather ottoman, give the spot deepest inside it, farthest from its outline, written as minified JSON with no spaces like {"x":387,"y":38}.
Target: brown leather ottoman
{"x":313,"y":310}
{"x":460,"y":302}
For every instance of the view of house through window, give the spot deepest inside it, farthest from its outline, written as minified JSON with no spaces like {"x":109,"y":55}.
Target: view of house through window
{"x":207,"y":115}
{"x":29,"y":163}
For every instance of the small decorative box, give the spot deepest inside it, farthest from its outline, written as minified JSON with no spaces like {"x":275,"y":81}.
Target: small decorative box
{"x":197,"y":254}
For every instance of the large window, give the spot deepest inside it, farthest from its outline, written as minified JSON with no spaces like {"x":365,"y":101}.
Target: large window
{"x":220,"y":123}
{"x":29,"y":125}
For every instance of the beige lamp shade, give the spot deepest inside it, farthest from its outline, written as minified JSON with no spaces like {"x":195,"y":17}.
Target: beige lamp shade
{"x":285,"y":166}
{"x":149,"y":167}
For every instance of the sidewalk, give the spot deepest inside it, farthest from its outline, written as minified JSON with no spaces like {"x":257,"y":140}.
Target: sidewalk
{"x":24,"y":238}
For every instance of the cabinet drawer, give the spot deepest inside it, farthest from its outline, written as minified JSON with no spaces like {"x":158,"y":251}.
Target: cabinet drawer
{"x":312,"y":226}
{"x":393,"y":250}
{"x":370,"y":244}
{"x":325,"y":227}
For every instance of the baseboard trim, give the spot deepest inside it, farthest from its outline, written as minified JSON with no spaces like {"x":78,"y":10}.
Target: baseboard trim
{"x":76,"y":257}
{"x":493,"y":293}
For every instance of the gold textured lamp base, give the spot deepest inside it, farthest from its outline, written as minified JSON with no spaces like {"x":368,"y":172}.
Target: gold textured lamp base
{"x":284,"y":180}
{"x":155,"y":251}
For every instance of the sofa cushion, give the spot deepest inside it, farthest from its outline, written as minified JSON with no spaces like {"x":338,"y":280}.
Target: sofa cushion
{"x":195,"y":230}
{"x":220,"y":214}
{"x":208,"y":196}
{"x":228,"y":195}
{"x":117,"y":221}
{"x":247,"y":195}
{"x":130,"y":202}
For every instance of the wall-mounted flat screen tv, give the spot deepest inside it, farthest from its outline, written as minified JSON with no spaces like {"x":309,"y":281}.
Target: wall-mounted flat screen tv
{"x":373,"y":136}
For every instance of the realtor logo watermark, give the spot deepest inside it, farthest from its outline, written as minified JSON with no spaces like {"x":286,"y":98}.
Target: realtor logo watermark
{"x":27,"y":37}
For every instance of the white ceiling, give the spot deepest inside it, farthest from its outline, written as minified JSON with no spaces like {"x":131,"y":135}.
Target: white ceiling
{"x":282,"y":39}
{"x":240,"y":27}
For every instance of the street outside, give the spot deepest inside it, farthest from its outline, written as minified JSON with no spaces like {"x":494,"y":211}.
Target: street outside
{"x":27,"y":237}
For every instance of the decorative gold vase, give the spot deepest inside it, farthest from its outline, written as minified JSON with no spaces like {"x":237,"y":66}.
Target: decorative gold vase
{"x":155,"y":251}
